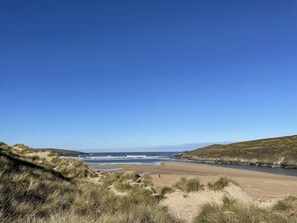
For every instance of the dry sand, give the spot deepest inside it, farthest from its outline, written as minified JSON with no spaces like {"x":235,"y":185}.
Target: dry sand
{"x":255,"y":184}
{"x":185,"y":206}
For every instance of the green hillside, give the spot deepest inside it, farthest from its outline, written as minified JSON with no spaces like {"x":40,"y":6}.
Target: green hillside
{"x":60,"y":151}
{"x":273,"y":152}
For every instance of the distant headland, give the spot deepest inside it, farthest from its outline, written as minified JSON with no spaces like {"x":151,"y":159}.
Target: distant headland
{"x":271,"y":152}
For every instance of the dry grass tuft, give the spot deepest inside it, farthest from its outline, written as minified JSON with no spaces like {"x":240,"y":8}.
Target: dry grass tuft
{"x":220,"y":184}
{"x":232,"y":211}
{"x":188,"y":185}
{"x":288,"y":205}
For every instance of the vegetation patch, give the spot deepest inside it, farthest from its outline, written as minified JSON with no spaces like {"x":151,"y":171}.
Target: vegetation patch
{"x":188,"y":185}
{"x":165,"y":190}
{"x":289,"y":204}
{"x":232,"y":211}
{"x":220,"y":184}
{"x":122,"y":186}
{"x":274,"y":152}
{"x":48,"y":193}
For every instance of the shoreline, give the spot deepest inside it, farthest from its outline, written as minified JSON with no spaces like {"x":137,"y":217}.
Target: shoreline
{"x":257,"y":184}
{"x":237,"y":161}
{"x":257,"y":168}
{"x":264,"y":169}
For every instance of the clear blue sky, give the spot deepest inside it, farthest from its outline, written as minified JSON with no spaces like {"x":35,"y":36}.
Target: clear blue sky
{"x":126,"y":74}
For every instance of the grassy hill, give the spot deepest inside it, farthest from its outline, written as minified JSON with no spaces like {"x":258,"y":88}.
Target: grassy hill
{"x":272,"y":152}
{"x":59,"y":151}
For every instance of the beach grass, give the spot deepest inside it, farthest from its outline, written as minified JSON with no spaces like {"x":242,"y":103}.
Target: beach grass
{"x":232,"y":211}
{"x":188,"y":184}
{"x":33,"y":192}
{"x":221,"y":183}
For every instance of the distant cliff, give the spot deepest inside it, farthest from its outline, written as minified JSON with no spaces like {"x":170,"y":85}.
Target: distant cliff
{"x":273,"y":152}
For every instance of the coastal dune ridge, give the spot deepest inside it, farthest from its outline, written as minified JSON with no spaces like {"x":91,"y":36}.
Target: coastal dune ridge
{"x":174,"y":191}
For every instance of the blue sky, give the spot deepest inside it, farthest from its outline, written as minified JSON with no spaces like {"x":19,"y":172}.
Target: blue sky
{"x":138,"y":74}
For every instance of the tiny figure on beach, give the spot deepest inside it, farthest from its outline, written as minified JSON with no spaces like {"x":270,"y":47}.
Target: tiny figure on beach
{"x":159,"y":176}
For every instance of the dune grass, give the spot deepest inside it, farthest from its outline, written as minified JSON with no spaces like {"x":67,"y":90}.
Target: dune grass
{"x":35,"y":193}
{"x":165,"y":190}
{"x":220,"y":184}
{"x":288,"y":205}
{"x":229,"y":212}
{"x":122,"y":187}
{"x":232,"y":211}
{"x":188,"y":185}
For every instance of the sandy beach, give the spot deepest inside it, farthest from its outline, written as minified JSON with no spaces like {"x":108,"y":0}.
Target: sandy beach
{"x":256,"y":184}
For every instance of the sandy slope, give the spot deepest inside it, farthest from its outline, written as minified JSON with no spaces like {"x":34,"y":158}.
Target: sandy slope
{"x":185,"y":206}
{"x":255,"y":184}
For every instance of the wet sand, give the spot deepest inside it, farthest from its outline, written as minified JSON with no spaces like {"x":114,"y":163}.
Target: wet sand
{"x":256,"y":184}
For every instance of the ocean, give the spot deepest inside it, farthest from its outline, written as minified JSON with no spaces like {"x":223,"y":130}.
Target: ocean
{"x":157,"y":158}
{"x":138,"y":158}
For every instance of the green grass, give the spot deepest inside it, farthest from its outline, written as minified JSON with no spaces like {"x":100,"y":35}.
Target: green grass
{"x":264,"y":150}
{"x":59,"y":151}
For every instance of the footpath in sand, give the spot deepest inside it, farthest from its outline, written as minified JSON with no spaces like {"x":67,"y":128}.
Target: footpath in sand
{"x":255,"y":184}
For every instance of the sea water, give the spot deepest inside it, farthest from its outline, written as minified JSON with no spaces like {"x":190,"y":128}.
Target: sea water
{"x":157,"y":158}
{"x":138,"y":158}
